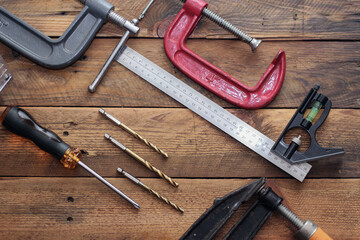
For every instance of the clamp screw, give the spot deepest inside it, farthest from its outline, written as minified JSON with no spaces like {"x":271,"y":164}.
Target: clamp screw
{"x":253,"y":42}
{"x":289,"y":215}
{"x":118,"y":20}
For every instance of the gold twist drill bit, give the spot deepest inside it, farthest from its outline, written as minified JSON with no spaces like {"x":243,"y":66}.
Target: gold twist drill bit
{"x":132,"y":132}
{"x":138,"y":182}
{"x":144,"y":162}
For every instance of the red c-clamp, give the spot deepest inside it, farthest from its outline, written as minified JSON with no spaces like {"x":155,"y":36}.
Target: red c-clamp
{"x":211,"y":77}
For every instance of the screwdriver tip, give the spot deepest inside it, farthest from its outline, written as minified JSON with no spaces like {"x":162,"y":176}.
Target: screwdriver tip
{"x":107,"y":136}
{"x":120,"y":170}
{"x":102,"y":111}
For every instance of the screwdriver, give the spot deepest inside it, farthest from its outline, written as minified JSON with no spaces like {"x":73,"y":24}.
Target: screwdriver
{"x":20,"y":122}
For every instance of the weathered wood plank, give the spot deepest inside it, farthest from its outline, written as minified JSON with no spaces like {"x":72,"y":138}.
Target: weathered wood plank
{"x":335,"y":65}
{"x":39,"y":208}
{"x":290,"y":19}
{"x":196,"y":148}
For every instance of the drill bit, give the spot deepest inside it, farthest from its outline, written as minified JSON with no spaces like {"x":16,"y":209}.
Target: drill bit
{"x":138,"y":182}
{"x":140,"y":159}
{"x":132,"y":132}
{"x":20,"y":122}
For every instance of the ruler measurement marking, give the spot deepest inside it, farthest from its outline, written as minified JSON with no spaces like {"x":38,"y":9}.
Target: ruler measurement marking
{"x":209,"y":110}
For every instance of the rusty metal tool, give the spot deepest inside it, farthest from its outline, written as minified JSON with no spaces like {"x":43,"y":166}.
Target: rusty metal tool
{"x":119,"y":46}
{"x":211,"y":77}
{"x":267,"y":201}
{"x":5,"y":73}
{"x":64,"y":51}
{"x":133,"y":133}
{"x":20,"y":122}
{"x":143,"y":185}
{"x":141,"y":160}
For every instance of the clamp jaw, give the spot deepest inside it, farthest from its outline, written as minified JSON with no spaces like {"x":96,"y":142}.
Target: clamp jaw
{"x":64,"y":51}
{"x":211,"y":77}
{"x":210,"y":223}
{"x":315,"y":151}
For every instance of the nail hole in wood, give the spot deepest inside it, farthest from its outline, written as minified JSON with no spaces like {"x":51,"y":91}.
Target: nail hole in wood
{"x":69,"y":219}
{"x":70,"y":199}
{"x":66,"y":133}
{"x":84,"y":152}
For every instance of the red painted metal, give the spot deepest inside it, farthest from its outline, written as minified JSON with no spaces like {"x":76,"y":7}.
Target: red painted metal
{"x":213,"y":78}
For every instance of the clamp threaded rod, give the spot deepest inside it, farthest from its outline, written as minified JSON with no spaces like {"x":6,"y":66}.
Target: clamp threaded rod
{"x":118,"y":20}
{"x":290,"y":216}
{"x":253,"y":42}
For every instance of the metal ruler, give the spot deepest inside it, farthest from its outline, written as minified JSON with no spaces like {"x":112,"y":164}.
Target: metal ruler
{"x":208,"y":109}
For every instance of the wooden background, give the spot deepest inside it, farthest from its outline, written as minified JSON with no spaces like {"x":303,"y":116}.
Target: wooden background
{"x":40,"y":199}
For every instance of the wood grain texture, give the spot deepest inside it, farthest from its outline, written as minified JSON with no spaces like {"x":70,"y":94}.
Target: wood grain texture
{"x":307,"y":63}
{"x":39,"y":208}
{"x":196,"y":148}
{"x":290,"y":19}
{"x":42,"y":200}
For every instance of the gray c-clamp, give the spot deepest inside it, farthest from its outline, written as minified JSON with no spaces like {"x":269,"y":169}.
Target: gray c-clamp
{"x":64,"y":51}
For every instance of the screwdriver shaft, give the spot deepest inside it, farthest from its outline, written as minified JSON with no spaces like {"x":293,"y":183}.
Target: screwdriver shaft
{"x":132,"y":132}
{"x":109,"y":184}
{"x":162,"y":198}
{"x":141,"y":160}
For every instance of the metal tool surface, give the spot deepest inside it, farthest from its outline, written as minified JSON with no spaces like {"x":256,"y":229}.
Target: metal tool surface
{"x":150,"y":190}
{"x":211,"y":77}
{"x":147,"y":164}
{"x":5,"y":73}
{"x":290,"y":151}
{"x":214,"y":218}
{"x":21,"y":123}
{"x":133,"y":133}
{"x":92,"y":87}
{"x":267,"y":201}
{"x":208,"y":110}
{"x":64,"y":51}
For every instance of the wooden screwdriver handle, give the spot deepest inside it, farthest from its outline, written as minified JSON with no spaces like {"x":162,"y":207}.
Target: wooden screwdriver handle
{"x":320,"y":235}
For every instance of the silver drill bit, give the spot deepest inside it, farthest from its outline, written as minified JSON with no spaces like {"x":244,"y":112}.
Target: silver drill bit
{"x":109,"y":184}
{"x":141,"y":160}
{"x":138,"y":182}
{"x":132,"y":132}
